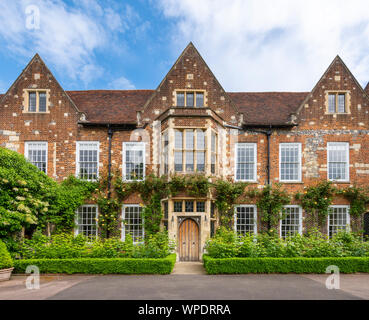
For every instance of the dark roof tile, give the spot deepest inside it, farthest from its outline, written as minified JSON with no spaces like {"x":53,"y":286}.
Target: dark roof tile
{"x":120,"y":106}
{"x":267,"y":108}
{"x":110,"y":106}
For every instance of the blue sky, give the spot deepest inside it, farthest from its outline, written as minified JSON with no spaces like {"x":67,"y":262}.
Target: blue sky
{"x":264,"y":45}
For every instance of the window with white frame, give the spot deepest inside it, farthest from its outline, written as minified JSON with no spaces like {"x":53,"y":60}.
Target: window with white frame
{"x":338,"y":161}
{"x":338,"y":219}
{"x":291,"y":222}
{"x":189,"y":150}
{"x":86,"y":220}
{"x":245,"y":162}
{"x":133,"y":160}
{"x":133,"y":223}
{"x":87,"y":160}
{"x":290,"y":162}
{"x":245,"y":219}
{"x":36,"y":153}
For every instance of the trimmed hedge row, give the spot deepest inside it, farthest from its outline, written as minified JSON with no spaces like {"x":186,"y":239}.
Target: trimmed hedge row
{"x":99,"y":265}
{"x":284,"y":265}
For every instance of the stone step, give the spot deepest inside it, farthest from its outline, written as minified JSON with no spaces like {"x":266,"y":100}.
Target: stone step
{"x":189,"y":268}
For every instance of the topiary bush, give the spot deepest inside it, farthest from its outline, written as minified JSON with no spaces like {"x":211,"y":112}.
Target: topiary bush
{"x":5,"y":258}
{"x":284,"y":265}
{"x":100,"y":265}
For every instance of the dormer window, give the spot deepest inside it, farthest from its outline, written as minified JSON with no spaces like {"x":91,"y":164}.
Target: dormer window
{"x":337,"y":102}
{"x":190,"y":99}
{"x":36,"y":101}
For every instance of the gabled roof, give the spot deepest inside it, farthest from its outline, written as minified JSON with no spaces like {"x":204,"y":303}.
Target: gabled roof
{"x":181,"y":57}
{"x":339,"y":60}
{"x":36,"y":59}
{"x":267,"y":108}
{"x":110,"y":106}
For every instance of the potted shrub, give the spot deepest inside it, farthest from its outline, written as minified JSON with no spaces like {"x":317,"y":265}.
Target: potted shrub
{"x":6,"y":263}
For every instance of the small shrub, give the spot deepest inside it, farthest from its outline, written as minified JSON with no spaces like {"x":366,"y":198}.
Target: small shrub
{"x":226,"y":244}
{"x":5,"y":258}
{"x":68,"y":246}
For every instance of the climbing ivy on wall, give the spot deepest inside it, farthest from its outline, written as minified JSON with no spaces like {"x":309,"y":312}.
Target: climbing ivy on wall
{"x":315,"y":200}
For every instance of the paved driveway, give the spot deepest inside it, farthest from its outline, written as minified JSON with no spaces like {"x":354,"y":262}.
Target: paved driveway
{"x":188,"y":286}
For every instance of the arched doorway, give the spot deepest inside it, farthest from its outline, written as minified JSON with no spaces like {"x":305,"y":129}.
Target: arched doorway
{"x":188,"y":241}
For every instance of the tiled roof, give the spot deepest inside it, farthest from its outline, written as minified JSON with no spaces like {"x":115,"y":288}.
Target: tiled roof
{"x":267,"y":108}
{"x":110,"y":106}
{"x":120,"y":106}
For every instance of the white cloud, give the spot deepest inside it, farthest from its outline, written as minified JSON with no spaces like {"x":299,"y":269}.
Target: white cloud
{"x":69,"y":36}
{"x":121,"y":83}
{"x":263,"y":45}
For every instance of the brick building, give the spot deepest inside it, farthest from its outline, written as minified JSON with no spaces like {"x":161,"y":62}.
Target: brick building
{"x":190,"y":123}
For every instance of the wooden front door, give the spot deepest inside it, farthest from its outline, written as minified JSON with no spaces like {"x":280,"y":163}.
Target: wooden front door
{"x":188,"y":241}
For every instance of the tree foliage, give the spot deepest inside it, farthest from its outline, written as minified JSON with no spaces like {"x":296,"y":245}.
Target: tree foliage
{"x":29,"y":199}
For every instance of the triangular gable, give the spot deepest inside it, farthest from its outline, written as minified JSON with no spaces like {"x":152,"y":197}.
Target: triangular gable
{"x":331,"y":66}
{"x":178,"y":61}
{"x":37,"y":59}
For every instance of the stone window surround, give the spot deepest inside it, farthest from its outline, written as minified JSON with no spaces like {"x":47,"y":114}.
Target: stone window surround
{"x":195,"y":201}
{"x":171,"y":147}
{"x":205,"y":104}
{"x":347,"y":101}
{"x":26,"y":93}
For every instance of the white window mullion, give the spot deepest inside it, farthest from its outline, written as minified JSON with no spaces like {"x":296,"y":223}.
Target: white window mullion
{"x":338,"y":219}
{"x":245,"y":162}
{"x":338,"y":161}
{"x":86,"y":221}
{"x":132,"y":222}
{"x":133,"y":161}
{"x":245,"y":219}
{"x":37,"y":153}
{"x":87,"y":160}
{"x":291,"y":224}
{"x":290,"y":162}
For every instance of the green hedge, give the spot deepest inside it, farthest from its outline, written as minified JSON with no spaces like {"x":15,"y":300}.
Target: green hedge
{"x":284,"y":265}
{"x":5,"y":258}
{"x":100,"y":265}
